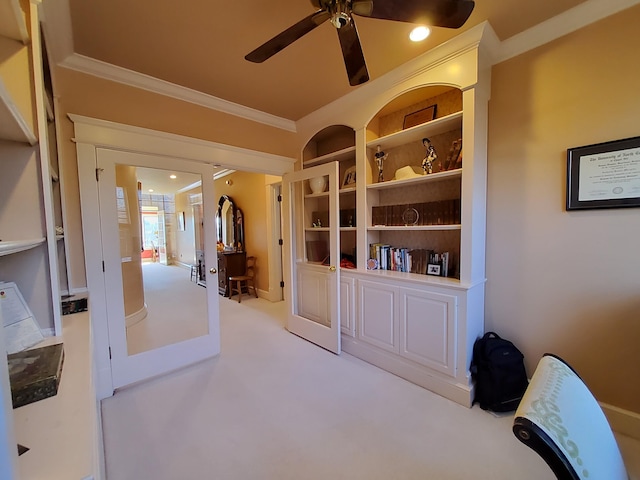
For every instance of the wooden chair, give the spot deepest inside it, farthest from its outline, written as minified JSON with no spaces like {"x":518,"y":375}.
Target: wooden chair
{"x":562,"y":422}
{"x":237,"y":282}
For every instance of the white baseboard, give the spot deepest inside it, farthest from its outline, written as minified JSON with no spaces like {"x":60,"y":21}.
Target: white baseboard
{"x":622,"y":421}
{"x":136,"y":317}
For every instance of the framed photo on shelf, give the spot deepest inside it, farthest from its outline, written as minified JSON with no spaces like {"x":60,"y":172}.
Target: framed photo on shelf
{"x":421,"y":116}
{"x":349,"y":179}
{"x":433,"y":269}
{"x":604,"y":175}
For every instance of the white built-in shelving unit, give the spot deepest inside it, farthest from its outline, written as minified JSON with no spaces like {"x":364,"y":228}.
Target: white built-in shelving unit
{"x":421,"y":327}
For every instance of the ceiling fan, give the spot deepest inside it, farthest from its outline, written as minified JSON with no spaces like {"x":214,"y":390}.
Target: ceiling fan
{"x":439,"y":13}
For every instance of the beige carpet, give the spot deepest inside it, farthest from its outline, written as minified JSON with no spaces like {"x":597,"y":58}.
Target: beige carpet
{"x":273,"y":406}
{"x":168,"y":293}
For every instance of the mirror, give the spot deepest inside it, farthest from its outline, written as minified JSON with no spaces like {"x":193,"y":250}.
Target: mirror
{"x":230,"y":225}
{"x":155,"y":287}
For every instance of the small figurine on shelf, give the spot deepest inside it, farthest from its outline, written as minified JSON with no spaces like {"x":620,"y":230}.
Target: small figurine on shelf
{"x":430,"y":156}
{"x":380,"y":158}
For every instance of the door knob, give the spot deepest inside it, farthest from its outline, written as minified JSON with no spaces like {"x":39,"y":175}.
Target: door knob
{"x":332,"y":268}
{"x":212,"y":271}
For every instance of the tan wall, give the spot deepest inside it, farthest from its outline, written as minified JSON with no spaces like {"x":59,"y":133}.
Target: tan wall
{"x":558,"y":281}
{"x":93,"y":97}
{"x":248,"y":193}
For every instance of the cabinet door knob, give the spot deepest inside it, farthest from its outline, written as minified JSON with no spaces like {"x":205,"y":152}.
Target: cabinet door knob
{"x":332,"y":268}
{"x":212,"y":271}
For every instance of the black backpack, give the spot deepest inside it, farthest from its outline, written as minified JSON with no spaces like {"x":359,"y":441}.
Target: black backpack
{"x":498,"y":370}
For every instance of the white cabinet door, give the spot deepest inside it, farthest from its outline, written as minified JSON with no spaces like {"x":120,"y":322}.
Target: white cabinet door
{"x":378,"y":314}
{"x":428,"y":329}
{"x":347,"y":305}
{"x":311,"y":237}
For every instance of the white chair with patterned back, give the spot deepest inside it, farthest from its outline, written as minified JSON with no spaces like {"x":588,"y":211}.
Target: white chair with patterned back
{"x":561,"y":420}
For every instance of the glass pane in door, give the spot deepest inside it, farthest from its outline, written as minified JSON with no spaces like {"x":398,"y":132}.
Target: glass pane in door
{"x":312,"y":221}
{"x":163,"y":301}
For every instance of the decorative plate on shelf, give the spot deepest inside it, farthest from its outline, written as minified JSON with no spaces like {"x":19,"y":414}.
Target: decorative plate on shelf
{"x":372,"y":264}
{"x":410,"y":216}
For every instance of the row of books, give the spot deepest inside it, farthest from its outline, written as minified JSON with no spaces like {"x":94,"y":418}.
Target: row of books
{"x":444,"y":212}
{"x":418,"y":260}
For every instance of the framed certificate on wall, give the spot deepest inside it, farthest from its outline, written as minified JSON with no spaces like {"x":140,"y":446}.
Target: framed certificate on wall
{"x":604,"y":175}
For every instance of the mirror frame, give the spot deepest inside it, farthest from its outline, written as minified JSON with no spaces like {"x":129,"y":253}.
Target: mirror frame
{"x":238,"y":223}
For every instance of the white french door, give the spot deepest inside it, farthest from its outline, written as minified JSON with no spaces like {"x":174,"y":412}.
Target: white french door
{"x":158,"y":319}
{"x":313,"y":257}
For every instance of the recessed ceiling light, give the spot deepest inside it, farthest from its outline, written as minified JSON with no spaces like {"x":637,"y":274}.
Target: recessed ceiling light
{"x":172,"y":177}
{"x":419,"y":33}
{"x":150,"y":190}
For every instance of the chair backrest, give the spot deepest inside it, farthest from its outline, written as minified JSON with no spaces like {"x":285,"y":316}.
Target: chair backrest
{"x":561,"y":420}
{"x":250,"y":268}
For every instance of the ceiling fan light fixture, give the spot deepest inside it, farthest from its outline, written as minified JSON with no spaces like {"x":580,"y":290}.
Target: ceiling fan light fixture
{"x":419,"y":33}
{"x":340,"y":19}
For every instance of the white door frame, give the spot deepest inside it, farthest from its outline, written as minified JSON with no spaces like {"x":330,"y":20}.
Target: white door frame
{"x":92,"y":133}
{"x":274,"y":248}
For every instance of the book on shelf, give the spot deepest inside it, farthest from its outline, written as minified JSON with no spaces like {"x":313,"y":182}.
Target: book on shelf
{"x":442,"y":212}
{"x":419,"y":260}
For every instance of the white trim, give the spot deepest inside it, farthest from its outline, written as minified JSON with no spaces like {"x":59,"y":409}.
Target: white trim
{"x":563,"y":24}
{"x":135,"y":317}
{"x":45,"y":165}
{"x":622,"y":421}
{"x":63,"y":198}
{"x":117,"y":136}
{"x":275,"y":293}
{"x":107,"y":71}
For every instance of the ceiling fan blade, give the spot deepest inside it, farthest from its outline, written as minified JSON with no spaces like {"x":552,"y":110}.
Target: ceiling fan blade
{"x":287,"y":37}
{"x":352,"y":53}
{"x":438,"y":13}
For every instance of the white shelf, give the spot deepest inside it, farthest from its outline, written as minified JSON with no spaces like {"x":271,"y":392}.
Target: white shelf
{"x":348,"y":153}
{"x":347,"y":190}
{"x":417,"y":133}
{"x":317,"y":195}
{"x":326,"y":229}
{"x":413,"y":228}
{"x":417,"y":278}
{"x":15,"y":246}
{"x":12,"y":21}
{"x":432,"y":177}
{"x":16,"y":103}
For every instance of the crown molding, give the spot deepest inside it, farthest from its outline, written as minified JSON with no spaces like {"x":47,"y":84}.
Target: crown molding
{"x":563,"y":24}
{"x":107,"y":71}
